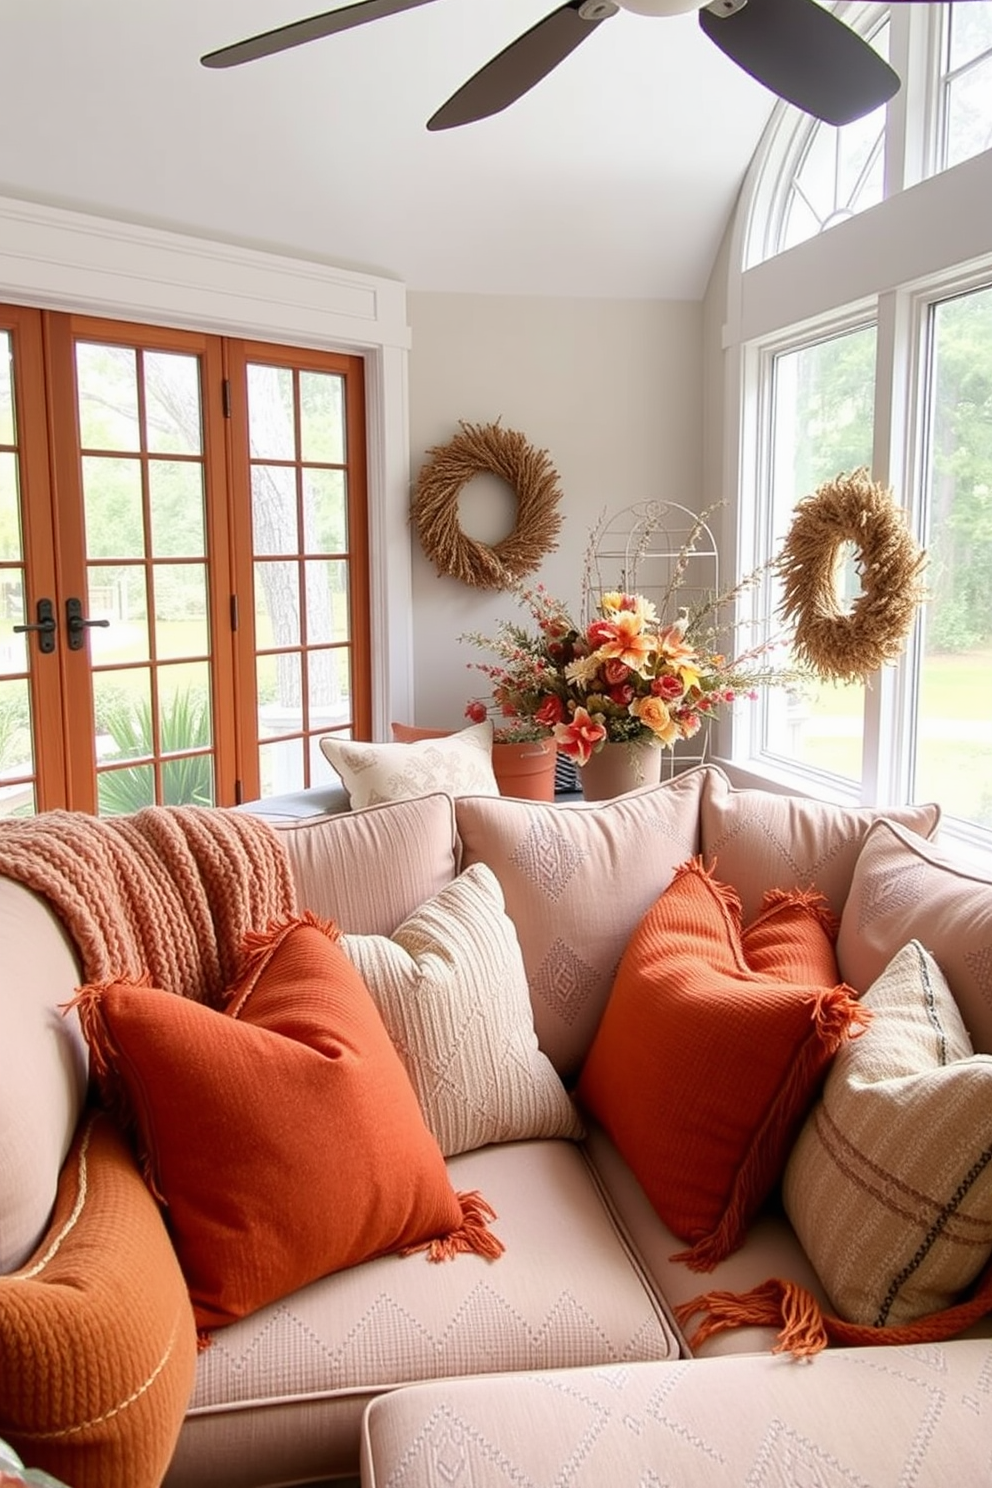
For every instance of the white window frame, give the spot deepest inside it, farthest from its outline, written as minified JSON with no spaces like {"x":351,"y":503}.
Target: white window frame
{"x":889,"y":263}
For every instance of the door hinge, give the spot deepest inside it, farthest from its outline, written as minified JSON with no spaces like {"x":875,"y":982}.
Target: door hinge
{"x":234,"y":612}
{"x":238,"y":793}
{"x":225,"y":394}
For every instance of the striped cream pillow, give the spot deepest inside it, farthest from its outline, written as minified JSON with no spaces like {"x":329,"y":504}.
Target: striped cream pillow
{"x":889,"y":1186}
{"x":451,"y":989}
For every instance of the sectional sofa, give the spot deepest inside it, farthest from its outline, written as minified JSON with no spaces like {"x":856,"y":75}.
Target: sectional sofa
{"x":531,"y":1220}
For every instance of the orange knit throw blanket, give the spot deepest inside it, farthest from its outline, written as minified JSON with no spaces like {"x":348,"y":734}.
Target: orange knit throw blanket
{"x":168,"y":891}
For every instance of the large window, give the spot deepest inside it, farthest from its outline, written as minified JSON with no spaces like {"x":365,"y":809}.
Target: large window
{"x":865,"y":339}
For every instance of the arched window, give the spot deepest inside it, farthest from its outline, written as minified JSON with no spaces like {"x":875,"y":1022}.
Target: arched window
{"x":865,"y":337}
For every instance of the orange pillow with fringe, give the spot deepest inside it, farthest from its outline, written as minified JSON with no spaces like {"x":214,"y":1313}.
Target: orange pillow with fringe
{"x":282,"y":1134}
{"x":712,"y":1048}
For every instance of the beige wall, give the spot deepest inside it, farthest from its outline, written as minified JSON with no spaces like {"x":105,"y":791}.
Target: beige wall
{"x":612,"y":389}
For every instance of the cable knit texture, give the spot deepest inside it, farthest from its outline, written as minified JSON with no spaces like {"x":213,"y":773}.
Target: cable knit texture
{"x":168,"y":892}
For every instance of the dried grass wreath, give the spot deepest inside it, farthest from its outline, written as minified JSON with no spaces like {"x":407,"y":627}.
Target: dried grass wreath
{"x":849,"y":646}
{"x":487,"y":449}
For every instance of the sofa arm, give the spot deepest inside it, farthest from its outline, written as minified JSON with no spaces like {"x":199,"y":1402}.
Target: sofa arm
{"x":97,"y":1339}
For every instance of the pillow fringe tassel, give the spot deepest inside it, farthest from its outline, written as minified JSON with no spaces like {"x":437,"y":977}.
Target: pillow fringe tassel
{"x":809,"y":900}
{"x":836,"y":1014}
{"x":804,"y":1329}
{"x":104,"y":1058}
{"x":473,"y":1235}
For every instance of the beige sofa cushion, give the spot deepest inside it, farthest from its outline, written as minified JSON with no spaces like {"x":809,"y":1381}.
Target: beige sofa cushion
{"x":576,"y":880}
{"x":889,"y":1186}
{"x":44,"y":1083}
{"x":708,"y":1423}
{"x":904,"y":888}
{"x":369,"y":870}
{"x":451,"y":989}
{"x":764,"y":841}
{"x":296,"y":1375}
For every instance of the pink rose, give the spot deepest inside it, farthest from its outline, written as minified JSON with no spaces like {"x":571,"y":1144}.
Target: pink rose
{"x":667,"y":687}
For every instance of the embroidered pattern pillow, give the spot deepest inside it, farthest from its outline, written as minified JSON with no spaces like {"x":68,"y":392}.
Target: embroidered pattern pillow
{"x":282,"y":1134}
{"x":451,"y":989}
{"x":460,"y":764}
{"x":760,"y":841}
{"x":576,"y":880}
{"x":711,"y":1048}
{"x":905,"y":888}
{"x":889,"y":1186}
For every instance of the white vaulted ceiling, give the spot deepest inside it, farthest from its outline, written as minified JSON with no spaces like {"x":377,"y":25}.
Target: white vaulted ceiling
{"x":615,"y":176}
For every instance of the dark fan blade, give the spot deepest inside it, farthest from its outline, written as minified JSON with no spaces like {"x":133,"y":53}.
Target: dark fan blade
{"x":523,"y":63}
{"x":805,"y":55}
{"x":298,"y":32}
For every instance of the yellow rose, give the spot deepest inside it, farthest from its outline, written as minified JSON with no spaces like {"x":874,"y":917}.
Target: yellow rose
{"x":653,"y":713}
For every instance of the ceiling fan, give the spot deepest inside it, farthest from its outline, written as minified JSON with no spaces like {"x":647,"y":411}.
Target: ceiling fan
{"x":800,"y":51}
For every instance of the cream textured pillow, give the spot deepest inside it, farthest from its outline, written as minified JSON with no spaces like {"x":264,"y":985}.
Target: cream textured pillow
{"x":889,"y":1187}
{"x":576,"y":880}
{"x":451,"y":990}
{"x":763,"y":841}
{"x":460,"y":764}
{"x":904,"y":887}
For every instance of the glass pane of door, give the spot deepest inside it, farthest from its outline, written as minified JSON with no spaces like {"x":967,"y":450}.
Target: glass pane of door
{"x":299,"y":474}
{"x":145,"y":611}
{"x":17,"y":763}
{"x":953,"y":733}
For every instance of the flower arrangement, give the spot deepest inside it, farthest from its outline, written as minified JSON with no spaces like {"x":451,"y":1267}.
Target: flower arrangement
{"x":627,"y":676}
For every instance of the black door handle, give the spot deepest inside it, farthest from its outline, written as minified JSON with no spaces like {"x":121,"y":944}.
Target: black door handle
{"x":46,"y":626}
{"x":77,"y":624}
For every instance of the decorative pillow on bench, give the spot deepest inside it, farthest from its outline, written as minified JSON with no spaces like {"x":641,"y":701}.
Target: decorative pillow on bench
{"x":712,"y":1046}
{"x":460,"y":764}
{"x":282,"y":1135}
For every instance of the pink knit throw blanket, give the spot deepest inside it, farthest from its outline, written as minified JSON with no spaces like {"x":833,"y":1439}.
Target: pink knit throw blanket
{"x":168,"y":891}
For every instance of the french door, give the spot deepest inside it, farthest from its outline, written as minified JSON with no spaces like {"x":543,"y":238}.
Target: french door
{"x":183,"y":564}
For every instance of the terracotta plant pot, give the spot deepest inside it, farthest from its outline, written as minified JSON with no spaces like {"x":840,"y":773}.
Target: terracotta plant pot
{"x":526,"y":770}
{"x":619,"y":768}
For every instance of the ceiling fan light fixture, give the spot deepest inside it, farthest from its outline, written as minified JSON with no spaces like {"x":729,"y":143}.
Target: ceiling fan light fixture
{"x":660,"y":7}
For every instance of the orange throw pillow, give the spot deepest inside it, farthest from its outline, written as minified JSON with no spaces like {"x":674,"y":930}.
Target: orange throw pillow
{"x":97,"y":1343}
{"x":711,"y":1049}
{"x":282,"y":1135}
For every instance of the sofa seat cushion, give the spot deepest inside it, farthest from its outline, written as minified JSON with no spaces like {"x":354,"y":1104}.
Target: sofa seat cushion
{"x":567,"y":1292}
{"x":762,"y":841}
{"x":769,"y":1249}
{"x":97,"y":1341}
{"x":42,"y":1089}
{"x":369,"y":870}
{"x":576,"y":880}
{"x":720,"y":1423}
